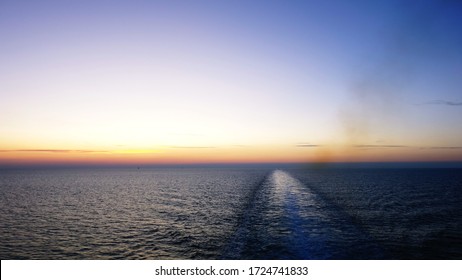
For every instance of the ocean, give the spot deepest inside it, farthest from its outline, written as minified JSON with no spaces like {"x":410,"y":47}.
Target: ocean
{"x":230,"y":213}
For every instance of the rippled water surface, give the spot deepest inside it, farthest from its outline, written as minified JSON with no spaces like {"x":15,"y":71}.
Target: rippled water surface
{"x":230,"y":213}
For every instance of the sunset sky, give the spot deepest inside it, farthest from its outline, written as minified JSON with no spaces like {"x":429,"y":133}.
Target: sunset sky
{"x":146,"y":82}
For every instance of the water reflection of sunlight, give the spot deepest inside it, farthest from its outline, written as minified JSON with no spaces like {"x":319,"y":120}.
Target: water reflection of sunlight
{"x":288,"y":190}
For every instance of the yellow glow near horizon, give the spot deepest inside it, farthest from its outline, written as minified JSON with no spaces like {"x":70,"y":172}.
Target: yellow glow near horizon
{"x":245,"y":154}
{"x":136,"y":151}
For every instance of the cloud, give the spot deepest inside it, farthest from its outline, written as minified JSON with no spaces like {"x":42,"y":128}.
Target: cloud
{"x":192,"y":147}
{"x":442,"y":102}
{"x":307,"y":145}
{"x":379,"y":146}
{"x":53,"y":151}
{"x":366,"y":146}
{"x":443,"y":147}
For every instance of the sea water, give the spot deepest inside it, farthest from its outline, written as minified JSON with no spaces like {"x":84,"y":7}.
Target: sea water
{"x":230,"y":213}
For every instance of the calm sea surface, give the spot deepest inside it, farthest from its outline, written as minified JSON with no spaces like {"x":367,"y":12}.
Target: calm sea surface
{"x":231,"y":213}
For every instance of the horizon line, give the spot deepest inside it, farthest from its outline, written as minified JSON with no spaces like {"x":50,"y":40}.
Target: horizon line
{"x":361,"y":164}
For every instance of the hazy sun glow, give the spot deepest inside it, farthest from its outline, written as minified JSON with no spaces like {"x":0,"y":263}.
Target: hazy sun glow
{"x":154,"y":82}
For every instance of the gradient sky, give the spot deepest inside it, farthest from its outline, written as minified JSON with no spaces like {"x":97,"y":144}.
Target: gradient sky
{"x":230,"y":81}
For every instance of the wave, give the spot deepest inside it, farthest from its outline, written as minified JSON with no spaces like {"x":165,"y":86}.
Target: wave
{"x":285,"y":219}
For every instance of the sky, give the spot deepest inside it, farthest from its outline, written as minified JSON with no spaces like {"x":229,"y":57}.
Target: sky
{"x":148,"y":82}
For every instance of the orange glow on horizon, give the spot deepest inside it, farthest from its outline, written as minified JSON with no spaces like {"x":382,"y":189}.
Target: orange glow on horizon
{"x":205,"y":155}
